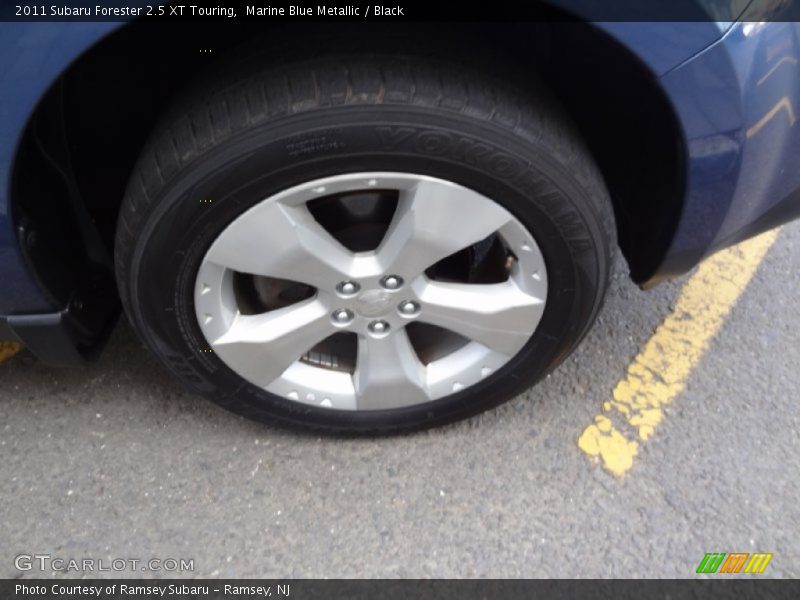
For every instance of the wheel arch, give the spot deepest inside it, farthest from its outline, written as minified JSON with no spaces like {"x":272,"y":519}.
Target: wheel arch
{"x":635,"y":138}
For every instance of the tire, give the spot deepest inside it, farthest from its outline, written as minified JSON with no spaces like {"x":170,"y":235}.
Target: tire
{"x":237,"y":140}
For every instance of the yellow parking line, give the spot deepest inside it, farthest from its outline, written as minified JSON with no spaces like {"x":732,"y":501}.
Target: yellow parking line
{"x":659,"y":373}
{"x":8,"y":349}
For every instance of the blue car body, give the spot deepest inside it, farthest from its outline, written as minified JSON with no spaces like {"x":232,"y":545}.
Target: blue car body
{"x":734,"y":88}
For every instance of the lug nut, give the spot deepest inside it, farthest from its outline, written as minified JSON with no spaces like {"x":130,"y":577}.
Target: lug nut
{"x":392,"y":282}
{"x":348,"y":288}
{"x":342,"y":316}
{"x":408,"y":308}
{"x":378,"y":327}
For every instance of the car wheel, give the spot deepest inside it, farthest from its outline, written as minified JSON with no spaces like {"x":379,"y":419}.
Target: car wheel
{"x":363,"y":244}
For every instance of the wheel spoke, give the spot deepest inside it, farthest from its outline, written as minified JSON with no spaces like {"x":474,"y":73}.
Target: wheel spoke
{"x":263,"y":346}
{"x":500,"y":316}
{"x":276,"y":240}
{"x":388,"y":373}
{"x":434,"y":220}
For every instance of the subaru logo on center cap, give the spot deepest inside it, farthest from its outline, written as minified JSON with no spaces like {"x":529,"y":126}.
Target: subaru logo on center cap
{"x":373,"y":303}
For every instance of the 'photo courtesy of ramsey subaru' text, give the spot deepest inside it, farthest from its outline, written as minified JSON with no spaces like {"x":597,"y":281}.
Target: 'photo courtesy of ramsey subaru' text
{"x":406,"y":300}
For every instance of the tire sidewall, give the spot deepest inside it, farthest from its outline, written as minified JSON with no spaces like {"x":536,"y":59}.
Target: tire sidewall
{"x":209,"y":193}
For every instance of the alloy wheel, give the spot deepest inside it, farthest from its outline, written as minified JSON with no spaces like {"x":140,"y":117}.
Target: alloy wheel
{"x":370,"y":291}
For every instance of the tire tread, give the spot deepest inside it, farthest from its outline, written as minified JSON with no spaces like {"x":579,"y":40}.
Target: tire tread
{"x":222,"y":106}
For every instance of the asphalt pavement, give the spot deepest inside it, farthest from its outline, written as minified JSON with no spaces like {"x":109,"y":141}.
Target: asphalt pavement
{"x":118,"y":461}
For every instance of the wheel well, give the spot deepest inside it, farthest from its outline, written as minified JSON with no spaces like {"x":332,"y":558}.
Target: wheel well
{"x":81,"y":144}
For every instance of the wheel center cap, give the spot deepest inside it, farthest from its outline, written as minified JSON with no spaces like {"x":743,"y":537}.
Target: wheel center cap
{"x":373,"y":303}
